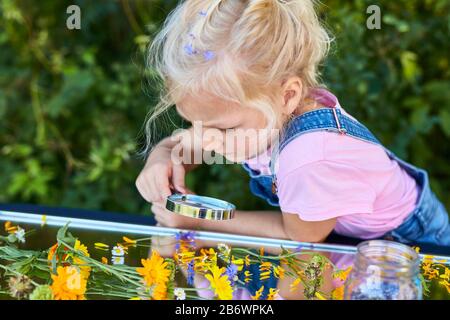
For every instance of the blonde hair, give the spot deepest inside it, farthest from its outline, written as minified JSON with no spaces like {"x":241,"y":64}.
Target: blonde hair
{"x":255,"y":45}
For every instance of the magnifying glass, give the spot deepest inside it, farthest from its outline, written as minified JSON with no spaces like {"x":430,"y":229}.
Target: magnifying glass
{"x":200,"y":207}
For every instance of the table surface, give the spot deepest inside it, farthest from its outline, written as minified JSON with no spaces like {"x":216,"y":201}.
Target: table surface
{"x":109,"y":227}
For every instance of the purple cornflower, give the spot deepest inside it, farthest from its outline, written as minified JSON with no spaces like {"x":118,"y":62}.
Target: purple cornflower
{"x":231,"y":272}
{"x":190,"y":275}
{"x":185,"y":236}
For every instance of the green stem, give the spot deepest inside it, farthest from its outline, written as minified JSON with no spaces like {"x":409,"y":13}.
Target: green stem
{"x":17,"y":273}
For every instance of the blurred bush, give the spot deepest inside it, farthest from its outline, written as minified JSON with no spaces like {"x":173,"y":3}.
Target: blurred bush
{"x":72,"y":102}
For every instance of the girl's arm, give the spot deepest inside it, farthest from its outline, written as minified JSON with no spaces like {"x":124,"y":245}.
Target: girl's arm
{"x":273,"y":224}
{"x":269,"y":224}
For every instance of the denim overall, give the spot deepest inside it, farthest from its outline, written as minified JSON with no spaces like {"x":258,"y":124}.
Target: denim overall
{"x":427,"y":223}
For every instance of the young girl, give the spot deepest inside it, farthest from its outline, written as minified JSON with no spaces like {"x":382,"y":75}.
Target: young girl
{"x":252,"y":64}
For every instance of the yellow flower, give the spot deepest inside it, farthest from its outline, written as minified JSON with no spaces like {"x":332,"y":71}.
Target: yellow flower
{"x":446,"y":284}
{"x":43,"y":220}
{"x":429,"y":271}
{"x":338,"y":293}
{"x":247,"y":276}
{"x":154,"y":270}
{"x":342,"y":274}
{"x":104,"y":260}
{"x":238,"y":262}
{"x":68,"y":284}
{"x":185,"y":257}
{"x":294,"y":284}
{"x":319,"y":296}
{"x":159,"y":291}
{"x":258,"y":293}
{"x":101,"y":246}
{"x":278,"y":272}
{"x":220,"y":283}
{"x":85,"y":270}
{"x":265,"y":270}
{"x":446,"y":274}
{"x":81,"y":247}
{"x":128,"y":240}
{"x":272,"y":293}
{"x":10,"y":228}
{"x":247,"y":260}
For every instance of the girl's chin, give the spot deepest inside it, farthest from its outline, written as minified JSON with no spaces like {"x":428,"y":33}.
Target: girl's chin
{"x":237,"y":158}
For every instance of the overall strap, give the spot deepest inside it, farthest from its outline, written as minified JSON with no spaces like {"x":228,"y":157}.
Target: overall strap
{"x":324,"y":119}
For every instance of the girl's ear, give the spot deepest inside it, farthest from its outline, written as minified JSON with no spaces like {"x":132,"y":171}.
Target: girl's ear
{"x":292,"y":92}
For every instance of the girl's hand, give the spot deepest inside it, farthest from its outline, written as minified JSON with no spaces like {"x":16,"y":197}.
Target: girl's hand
{"x":166,"y":218}
{"x":159,"y":175}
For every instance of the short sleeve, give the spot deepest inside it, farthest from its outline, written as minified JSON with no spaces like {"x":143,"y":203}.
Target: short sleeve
{"x":324,"y":190}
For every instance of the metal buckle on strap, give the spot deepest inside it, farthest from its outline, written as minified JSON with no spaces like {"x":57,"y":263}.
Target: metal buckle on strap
{"x":340,"y":129}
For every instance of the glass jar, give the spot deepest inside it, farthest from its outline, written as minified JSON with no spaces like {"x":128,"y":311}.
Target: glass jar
{"x":384,"y":270}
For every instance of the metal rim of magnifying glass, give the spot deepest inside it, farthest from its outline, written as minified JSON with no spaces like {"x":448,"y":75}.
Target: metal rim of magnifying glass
{"x":174,"y":203}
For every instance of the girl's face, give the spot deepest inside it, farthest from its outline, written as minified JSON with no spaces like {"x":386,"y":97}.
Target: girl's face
{"x":234,"y":131}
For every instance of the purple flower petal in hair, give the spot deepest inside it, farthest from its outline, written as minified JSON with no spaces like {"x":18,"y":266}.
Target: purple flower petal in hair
{"x":189,"y":49}
{"x":202,"y":13}
{"x":208,"y":55}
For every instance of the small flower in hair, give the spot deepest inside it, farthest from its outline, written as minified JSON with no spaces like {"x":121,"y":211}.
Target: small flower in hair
{"x":202,"y":13}
{"x":208,"y":55}
{"x":189,"y":49}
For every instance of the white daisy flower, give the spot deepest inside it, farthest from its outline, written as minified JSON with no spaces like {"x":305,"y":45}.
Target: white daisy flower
{"x":118,"y":251}
{"x":179,"y":293}
{"x":117,"y":260}
{"x":20,"y":235}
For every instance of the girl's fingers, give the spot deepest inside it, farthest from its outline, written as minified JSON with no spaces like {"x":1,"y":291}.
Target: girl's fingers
{"x":178,"y":176}
{"x":143,"y":186}
{"x":162,"y":185}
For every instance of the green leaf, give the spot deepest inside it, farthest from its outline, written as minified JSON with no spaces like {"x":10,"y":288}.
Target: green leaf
{"x":444,"y":120}
{"x":410,"y":67}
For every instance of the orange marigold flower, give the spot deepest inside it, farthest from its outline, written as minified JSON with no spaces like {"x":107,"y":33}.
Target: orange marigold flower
{"x":338,"y":293}
{"x":154,"y":270}
{"x":159,"y":291}
{"x":51,"y":254}
{"x":68,"y":284}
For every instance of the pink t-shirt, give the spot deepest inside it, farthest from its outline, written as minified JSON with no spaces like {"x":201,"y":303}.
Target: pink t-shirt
{"x":323,"y":175}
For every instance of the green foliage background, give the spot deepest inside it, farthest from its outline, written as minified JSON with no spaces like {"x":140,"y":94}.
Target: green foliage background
{"x":72,"y":103}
